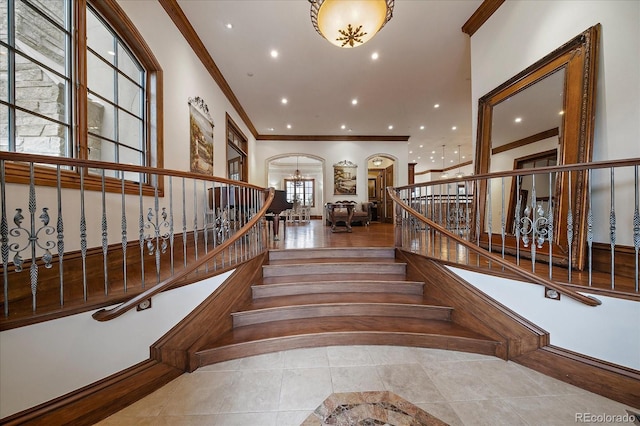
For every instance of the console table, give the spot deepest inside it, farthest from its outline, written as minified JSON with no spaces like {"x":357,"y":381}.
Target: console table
{"x":332,"y":215}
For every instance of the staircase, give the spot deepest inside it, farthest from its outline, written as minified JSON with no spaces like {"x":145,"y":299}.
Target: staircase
{"x":337,"y":296}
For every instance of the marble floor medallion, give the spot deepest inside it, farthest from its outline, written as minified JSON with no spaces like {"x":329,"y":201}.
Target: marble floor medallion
{"x":369,"y":409}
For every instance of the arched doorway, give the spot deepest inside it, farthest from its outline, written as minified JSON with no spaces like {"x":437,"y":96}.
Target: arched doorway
{"x":380,"y":175}
{"x":307,"y":188}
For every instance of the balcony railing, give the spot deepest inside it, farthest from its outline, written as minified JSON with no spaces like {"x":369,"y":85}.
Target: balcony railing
{"x":577,"y":225}
{"x":79,"y":235}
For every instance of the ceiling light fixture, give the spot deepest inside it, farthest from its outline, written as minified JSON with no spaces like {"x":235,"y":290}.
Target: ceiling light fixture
{"x":444,"y":173}
{"x":377,"y":161}
{"x":350,"y":23}
{"x":297,"y":176}
{"x":459,"y":175}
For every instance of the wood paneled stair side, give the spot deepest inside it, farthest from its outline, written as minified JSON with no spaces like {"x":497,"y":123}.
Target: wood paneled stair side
{"x":337,"y":296}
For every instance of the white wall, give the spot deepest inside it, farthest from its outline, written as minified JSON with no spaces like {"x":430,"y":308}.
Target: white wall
{"x":522,"y":32}
{"x":608,"y":332}
{"x":46,"y":360}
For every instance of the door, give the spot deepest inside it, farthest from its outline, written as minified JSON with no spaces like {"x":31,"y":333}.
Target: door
{"x":388,"y":203}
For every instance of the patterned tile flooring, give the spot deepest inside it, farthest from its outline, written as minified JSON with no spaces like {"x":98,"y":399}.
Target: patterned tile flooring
{"x":285,"y":388}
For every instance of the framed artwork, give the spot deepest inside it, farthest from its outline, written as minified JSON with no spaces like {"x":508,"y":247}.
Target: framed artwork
{"x":345,"y":178}
{"x":201,"y":137}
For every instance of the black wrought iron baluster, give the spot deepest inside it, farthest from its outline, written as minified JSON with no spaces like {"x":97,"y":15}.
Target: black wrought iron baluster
{"x":60,"y":235}
{"x":105,"y":245}
{"x":570,"y":228}
{"x":612,"y":229}
{"x":4,"y":233}
{"x":83,"y":235}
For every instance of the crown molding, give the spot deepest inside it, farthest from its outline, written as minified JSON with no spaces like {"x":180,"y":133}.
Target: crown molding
{"x":332,"y":138}
{"x":480,"y":16}
{"x":457,"y":166}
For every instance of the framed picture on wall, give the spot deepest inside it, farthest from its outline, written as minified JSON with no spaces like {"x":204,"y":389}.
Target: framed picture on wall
{"x":345,"y":175}
{"x":201,"y":137}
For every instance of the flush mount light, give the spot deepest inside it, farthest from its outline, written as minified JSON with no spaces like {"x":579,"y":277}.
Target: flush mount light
{"x":377,"y":161}
{"x":350,"y":23}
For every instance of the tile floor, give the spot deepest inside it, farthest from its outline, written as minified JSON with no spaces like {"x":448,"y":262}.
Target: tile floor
{"x":284,"y":388}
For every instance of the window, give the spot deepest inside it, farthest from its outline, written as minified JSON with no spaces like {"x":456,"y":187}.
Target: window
{"x":300,"y":191}
{"x":63,"y":97}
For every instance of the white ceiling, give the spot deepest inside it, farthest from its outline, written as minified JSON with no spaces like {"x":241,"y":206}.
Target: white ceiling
{"x":423,"y":60}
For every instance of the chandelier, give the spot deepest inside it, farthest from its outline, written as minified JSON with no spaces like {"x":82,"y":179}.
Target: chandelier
{"x":297,"y":176}
{"x":350,"y":23}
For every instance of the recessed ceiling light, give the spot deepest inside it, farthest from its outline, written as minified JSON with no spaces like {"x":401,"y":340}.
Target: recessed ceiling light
{"x":343,"y":127}
{"x":354,"y":102}
{"x":284,"y":100}
{"x":433,"y":152}
{"x":421,"y":146}
{"x":433,"y":161}
{"x":436,"y":106}
{"x":418,"y":158}
{"x":229,"y":25}
{"x":561,"y":113}
{"x":374,"y":55}
{"x":288,"y":126}
{"x":390,"y":127}
{"x":518,"y":119}
{"x":421,"y":127}
{"x":271,"y":129}
{"x":455,"y":152}
{"x":274,"y":53}
{"x":410,"y":152}
{"x":463,"y":157}
{"x":431,"y":157}
{"x":454,"y":128}
{"x":451,"y":161}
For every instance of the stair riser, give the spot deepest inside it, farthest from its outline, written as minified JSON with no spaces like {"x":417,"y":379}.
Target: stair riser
{"x":338,"y":310}
{"x":291,"y":289}
{"x":333,"y":268}
{"x":337,"y":253}
{"x":212,"y":356}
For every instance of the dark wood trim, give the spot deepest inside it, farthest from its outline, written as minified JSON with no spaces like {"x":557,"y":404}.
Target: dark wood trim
{"x":191,"y":36}
{"x":412,"y":173}
{"x":332,"y":138}
{"x":211,"y":319}
{"x":466,"y":163}
{"x":624,"y":259}
{"x":526,"y":141}
{"x":474,"y":309}
{"x":99,"y":400}
{"x":480,"y":16}
{"x":609,"y":380}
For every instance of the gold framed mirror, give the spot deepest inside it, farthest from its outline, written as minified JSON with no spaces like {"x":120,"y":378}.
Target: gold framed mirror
{"x":550,"y":106}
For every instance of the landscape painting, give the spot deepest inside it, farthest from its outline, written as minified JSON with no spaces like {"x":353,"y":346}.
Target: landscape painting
{"x":345,"y":178}
{"x":201,"y":137}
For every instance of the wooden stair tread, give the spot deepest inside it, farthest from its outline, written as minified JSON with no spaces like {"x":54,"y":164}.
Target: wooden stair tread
{"x":337,"y":298}
{"x":336,"y":252}
{"x":328,"y":325}
{"x":332,"y":260}
{"x":373,"y":277}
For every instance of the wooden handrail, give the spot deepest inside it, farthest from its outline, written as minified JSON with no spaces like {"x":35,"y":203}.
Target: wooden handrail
{"x":537,"y":170}
{"x":587,"y":300}
{"x":109,"y":314}
{"x":73,"y":162}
